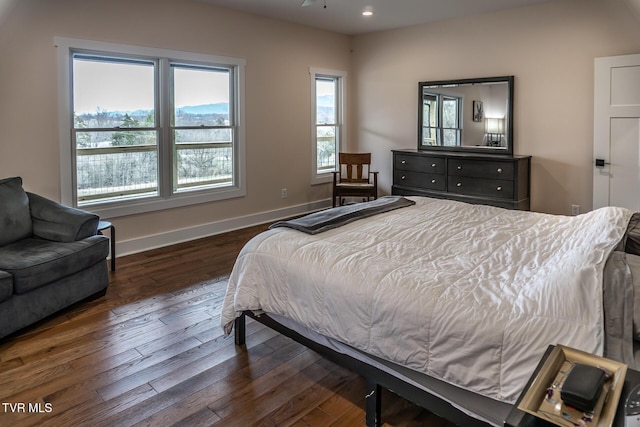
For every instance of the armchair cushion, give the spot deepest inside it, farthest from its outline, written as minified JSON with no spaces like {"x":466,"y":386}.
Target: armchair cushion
{"x":6,"y":286}
{"x":15,"y":218}
{"x":53,"y":221}
{"x":35,"y":262}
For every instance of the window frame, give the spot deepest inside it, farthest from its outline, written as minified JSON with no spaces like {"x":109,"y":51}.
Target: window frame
{"x":167,"y":198}
{"x":173,"y":127}
{"x":458,"y":119}
{"x":340,"y":78}
{"x":78,"y":152}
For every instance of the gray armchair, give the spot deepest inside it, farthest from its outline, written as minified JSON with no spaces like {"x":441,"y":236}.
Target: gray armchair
{"x":50,"y":257}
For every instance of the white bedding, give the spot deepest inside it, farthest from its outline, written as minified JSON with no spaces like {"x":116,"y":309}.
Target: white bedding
{"x":469,"y":294}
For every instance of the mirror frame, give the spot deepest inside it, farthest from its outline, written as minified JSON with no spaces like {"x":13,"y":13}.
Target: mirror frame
{"x":508,"y":130}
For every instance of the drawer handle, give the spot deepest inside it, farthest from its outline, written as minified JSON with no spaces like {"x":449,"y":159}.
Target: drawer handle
{"x":404,"y":162}
{"x":403,"y":177}
{"x":433,"y":165}
{"x":459,"y":184}
{"x":499,"y":188}
{"x":433,"y":181}
{"x":499,"y":170}
{"x":459,"y":168}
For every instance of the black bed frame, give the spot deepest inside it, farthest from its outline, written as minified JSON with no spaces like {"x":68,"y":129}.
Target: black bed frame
{"x":376,"y":378}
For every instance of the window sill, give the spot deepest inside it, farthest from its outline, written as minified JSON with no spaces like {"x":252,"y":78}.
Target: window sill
{"x":152,"y":204}
{"x":326,"y":178}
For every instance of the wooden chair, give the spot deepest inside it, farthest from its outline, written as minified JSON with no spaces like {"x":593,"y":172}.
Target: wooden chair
{"x":354,"y":177}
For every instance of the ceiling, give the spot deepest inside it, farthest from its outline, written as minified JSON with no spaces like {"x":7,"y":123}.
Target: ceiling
{"x":345,"y":16}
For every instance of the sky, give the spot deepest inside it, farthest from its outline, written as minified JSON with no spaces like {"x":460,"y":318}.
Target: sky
{"x":325,"y":87}
{"x":130,"y":87}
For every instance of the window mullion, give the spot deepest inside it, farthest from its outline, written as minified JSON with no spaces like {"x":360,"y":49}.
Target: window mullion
{"x":116,"y":129}
{"x":200,"y":127}
{"x":165,"y":137}
{"x":232,"y":100}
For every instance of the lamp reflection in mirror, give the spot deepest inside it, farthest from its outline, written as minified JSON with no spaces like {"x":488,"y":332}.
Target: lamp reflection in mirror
{"x":494,"y":128}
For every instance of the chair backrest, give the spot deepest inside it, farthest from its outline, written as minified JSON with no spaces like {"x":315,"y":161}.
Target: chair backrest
{"x":354,"y":167}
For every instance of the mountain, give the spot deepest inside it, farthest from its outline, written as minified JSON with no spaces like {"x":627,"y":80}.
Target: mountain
{"x":219,"y":108}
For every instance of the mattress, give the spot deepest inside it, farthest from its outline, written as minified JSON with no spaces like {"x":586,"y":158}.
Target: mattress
{"x":470,"y":295}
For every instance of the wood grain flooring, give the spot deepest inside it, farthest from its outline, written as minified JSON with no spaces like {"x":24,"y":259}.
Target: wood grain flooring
{"x":152,"y":353}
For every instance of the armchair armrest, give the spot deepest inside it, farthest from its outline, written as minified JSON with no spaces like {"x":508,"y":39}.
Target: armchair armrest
{"x":53,"y":221}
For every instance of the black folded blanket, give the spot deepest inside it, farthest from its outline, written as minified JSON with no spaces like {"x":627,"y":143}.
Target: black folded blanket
{"x":328,"y":219}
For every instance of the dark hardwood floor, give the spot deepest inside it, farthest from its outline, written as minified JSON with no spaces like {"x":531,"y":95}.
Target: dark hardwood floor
{"x":152,"y":353}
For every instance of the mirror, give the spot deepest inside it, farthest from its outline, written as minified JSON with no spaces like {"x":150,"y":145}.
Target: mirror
{"x":466,"y":115}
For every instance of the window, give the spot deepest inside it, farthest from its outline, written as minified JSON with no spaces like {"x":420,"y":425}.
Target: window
{"x":202,"y":134}
{"x":147,"y":129}
{"x":441,"y":120}
{"x":451,"y":120}
{"x":115,"y":130}
{"x":328,"y":88}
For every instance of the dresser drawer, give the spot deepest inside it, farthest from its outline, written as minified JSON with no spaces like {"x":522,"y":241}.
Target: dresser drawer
{"x":481,"y":169}
{"x":424,"y":164}
{"x":470,"y":186}
{"x":427,"y":181}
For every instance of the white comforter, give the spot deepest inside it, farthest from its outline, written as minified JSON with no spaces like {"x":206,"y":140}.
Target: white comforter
{"x":469,"y":294}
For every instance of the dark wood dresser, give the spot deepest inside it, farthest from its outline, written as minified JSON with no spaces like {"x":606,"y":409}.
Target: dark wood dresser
{"x":489,"y":179}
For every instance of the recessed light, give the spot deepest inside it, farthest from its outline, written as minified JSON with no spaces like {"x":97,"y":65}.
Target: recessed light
{"x":367,"y":13}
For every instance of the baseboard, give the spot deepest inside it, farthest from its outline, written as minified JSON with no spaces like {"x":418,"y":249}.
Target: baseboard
{"x":146,"y":243}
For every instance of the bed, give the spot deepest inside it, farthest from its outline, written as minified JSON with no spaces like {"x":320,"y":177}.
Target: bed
{"x":449,"y":304}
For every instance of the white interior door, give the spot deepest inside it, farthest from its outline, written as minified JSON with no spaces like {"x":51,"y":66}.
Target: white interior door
{"x":616,"y":132}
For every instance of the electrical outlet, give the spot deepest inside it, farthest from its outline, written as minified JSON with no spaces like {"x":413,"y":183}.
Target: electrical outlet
{"x":284,"y":193}
{"x":575,"y":209}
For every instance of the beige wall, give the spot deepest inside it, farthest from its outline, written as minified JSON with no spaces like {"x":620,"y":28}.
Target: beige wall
{"x":549,"y":48}
{"x":277,"y":99}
